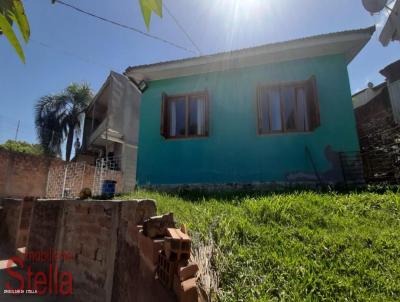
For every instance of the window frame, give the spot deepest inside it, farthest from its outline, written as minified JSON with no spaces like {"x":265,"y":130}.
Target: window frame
{"x":165,"y":116}
{"x":295,"y":85}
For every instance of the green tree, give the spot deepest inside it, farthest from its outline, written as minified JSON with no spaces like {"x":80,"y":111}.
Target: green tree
{"x":23,"y":147}
{"x":13,"y":11}
{"x":58,"y":117}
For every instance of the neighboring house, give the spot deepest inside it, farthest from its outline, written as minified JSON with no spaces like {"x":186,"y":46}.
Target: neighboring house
{"x":377,"y":111}
{"x":274,"y":114}
{"x":111,"y":128}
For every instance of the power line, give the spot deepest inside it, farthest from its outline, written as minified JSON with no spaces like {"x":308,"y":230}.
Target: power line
{"x":182,"y":28}
{"x":123,"y":26}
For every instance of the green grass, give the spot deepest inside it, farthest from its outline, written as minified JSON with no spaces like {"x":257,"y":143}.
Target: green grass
{"x":297,"y":246}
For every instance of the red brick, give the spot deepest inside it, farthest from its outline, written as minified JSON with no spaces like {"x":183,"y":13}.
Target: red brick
{"x":149,"y":248}
{"x":177,"y":245}
{"x":186,"y":291}
{"x":177,"y":286}
{"x":187,"y":272}
{"x":146,"y":267}
{"x":166,"y":270}
{"x":135,"y":232}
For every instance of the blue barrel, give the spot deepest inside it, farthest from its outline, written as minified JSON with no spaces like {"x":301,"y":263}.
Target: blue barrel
{"x":108,"y":188}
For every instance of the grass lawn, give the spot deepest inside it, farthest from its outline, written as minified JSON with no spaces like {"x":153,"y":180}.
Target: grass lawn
{"x":297,"y":246}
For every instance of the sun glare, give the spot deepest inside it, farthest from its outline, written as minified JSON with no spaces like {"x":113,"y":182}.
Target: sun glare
{"x":242,"y":8}
{"x":244,"y":17}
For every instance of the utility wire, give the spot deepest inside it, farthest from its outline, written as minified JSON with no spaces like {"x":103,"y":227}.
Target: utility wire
{"x":123,"y":26}
{"x":182,"y":28}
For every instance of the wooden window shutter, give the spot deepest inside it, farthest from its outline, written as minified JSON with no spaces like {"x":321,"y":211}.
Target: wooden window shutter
{"x":163,"y":121}
{"x":207,"y":113}
{"x":313,"y":104}
{"x":259,"y":110}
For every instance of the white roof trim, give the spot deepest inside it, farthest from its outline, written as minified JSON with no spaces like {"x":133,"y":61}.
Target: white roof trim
{"x":106,"y":84}
{"x":391,"y":30}
{"x":348,"y":43}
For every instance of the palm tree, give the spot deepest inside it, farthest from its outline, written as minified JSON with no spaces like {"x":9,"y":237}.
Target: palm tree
{"x":59,"y":116}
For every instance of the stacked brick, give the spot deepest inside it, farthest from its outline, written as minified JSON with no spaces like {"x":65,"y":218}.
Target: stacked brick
{"x":165,"y":250}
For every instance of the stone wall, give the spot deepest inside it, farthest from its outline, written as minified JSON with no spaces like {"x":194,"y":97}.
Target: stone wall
{"x":100,"y":238}
{"x":24,"y":174}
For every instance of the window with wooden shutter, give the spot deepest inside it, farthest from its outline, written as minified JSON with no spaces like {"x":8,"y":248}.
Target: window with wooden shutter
{"x":288,"y":107}
{"x":313,"y":104}
{"x":185,"y":116}
{"x":163,"y":128}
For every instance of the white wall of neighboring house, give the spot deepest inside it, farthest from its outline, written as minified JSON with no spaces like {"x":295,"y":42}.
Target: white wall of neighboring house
{"x":364,"y":97}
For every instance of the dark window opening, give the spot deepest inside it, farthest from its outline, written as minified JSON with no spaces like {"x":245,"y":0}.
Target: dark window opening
{"x":288,"y":107}
{"x":185,"y":116}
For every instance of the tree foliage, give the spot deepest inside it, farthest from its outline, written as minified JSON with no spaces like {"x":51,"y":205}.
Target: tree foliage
{"x":23,"y":147}
{"x":58,"y":117}
{"x":12,"y":11}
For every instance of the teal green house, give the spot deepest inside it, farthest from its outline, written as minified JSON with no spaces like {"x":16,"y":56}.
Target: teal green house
{"x":273,"y":114}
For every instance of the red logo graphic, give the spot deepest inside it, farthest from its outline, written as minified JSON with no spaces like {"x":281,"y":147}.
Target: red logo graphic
{"x":50,"y":282}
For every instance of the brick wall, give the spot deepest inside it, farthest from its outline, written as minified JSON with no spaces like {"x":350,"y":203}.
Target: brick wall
{"x":9,"y":225}
{"x":75,"y":176}
{"x":133,"y":279}
{"x":100,"y":238}
{"x":24,"y":222}
{"x":24,"y":174}
{"x":43,"y":229}
{"x":28,"y":175}
{"x":379,"y":137}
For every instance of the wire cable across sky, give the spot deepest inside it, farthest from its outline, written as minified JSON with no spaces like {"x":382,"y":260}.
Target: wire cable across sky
{"x":124,"y":26}
{"x":182,"y":29}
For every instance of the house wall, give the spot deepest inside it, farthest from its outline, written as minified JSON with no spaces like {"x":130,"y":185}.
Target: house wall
{"x":123,"y":103}
{"x":234,"y":152}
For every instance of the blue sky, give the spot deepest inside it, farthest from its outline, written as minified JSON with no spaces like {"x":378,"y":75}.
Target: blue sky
{"x":82,"y":49}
